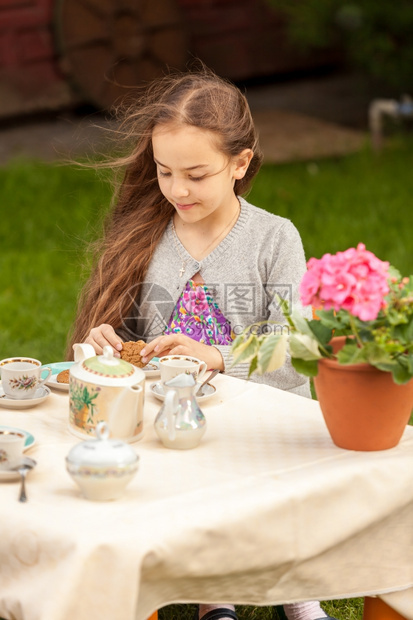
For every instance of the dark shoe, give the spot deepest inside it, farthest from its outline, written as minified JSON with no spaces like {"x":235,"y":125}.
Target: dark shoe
{"x":216,"y":614}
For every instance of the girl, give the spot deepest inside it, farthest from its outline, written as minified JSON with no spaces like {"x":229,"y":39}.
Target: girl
{"x":186,"y":263}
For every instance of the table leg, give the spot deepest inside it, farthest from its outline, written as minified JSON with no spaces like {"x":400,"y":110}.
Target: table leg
{"x":376,"y":609}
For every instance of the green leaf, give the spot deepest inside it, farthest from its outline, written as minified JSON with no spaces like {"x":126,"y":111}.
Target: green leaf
{"x":246,"y":351}
{"x":272,"y":352}
{"x":328,"y":319}
{"x":238,"y":342}
{"x":321,"y":332}
{"x":305,"y":347}
{"x":386,"y":366}
{"x":400,"y":369}
{"x":404,"y":333}
{"x":374,"y":353}
{"x":284,"y":305}
{"x":300,"y":323}
{"x":253,"y":365}
{"x":308,"y":368}
{"x":401,"y":374}
{"x":351,"y":354}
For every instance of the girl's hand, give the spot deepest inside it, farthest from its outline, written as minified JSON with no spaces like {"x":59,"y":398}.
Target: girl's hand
{"x":179,"y":344}
{"x":102,"y":336}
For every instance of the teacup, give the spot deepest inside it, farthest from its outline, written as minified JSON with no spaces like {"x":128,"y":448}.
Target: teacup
{"x":11,"y":447}
{"x":21,"y":376}
{"x":171,"y":366}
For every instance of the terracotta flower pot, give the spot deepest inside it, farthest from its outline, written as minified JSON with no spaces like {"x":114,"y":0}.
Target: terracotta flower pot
{"x":362,"y":406}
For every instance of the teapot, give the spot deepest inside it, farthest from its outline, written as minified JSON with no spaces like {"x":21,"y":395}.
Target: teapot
{"x":180,"y":423}
{"x":104,"y":388}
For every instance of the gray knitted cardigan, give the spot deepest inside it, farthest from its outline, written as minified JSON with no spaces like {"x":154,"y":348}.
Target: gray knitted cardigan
{"x":262,"y":255}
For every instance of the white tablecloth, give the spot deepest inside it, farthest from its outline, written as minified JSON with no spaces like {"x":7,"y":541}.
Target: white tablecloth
{"x":265,"y":511}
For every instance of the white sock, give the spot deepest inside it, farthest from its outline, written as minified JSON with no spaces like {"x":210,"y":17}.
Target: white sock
{"x":304,"y":611}
{"x":203,"y":609}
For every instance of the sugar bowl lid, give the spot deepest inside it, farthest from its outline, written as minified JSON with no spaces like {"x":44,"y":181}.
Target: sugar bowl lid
{"x":102,"y":451}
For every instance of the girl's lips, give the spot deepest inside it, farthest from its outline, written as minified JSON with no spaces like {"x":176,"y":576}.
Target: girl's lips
{"x":184,"y":207}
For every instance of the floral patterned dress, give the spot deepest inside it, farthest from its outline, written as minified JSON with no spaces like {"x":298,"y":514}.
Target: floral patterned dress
{"x":197,"y":315}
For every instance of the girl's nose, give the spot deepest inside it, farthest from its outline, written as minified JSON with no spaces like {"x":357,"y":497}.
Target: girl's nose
{"x":179,"y":188}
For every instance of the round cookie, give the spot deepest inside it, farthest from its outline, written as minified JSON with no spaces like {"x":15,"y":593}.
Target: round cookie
{"x":63,"y":377}
{"x":131,"y":352}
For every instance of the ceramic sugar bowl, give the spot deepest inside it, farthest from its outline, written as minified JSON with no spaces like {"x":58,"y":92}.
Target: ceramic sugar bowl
{"x":104,"y":388}
{"x":102,"y":467}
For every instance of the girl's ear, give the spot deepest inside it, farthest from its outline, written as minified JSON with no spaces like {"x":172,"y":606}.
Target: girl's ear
{"x":241,"y":163}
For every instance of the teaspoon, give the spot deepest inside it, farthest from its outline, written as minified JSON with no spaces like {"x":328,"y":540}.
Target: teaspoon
{"x":213,"y":374}
{"x":23,"y":467}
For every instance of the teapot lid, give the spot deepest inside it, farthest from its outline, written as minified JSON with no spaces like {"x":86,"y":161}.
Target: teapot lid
{"x":102,"y":451}
{"x":107,"y":365}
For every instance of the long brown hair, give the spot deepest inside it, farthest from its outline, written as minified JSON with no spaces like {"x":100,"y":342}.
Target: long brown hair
{"x":141,"y":214}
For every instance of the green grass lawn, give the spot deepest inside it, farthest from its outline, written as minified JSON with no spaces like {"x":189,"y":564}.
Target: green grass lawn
{"x":50,"y":213}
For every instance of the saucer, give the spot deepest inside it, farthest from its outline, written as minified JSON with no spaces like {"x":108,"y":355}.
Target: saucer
{"x":56,"y":368}
{"x":152,"y":368}
{"x":24,"y":403}
{"x":157,"y":390}
{"x":29,"y":442}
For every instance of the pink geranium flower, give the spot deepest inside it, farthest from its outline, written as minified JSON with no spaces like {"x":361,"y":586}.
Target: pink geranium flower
{"x":354,"y":280}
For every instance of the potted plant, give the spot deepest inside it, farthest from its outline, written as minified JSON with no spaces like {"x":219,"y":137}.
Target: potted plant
{"x":358,"y":347}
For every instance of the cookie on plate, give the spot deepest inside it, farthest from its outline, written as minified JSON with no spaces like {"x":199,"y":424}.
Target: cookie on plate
{"x":131,"y":352}
{"x":63,"y":377}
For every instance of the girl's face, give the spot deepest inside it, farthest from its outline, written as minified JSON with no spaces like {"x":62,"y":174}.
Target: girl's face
{"x":194,"y":175}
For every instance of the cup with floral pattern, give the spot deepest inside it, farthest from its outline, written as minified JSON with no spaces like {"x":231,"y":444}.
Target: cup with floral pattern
{"x":21,"y":377}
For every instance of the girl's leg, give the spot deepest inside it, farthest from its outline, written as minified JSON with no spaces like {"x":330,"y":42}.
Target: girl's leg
{"x":207,"y":611}
{"x":304,"y":611}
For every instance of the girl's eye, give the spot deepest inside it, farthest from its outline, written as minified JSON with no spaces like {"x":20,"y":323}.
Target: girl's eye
{"x":191,"y":178}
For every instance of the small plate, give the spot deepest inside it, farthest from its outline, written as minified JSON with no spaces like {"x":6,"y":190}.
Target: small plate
{"x":53,"y":383}
{"x":30,"y":441}
{"x":158,"y":391}
{"x":40,"y":395}
{"x":56,"y":368}
{"x":152,"y":368}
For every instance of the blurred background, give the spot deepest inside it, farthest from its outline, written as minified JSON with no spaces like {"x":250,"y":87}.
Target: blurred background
{"x":57,"y":54}
{"x":61,"y":60}
{"x":328,"y":83}
{"x":64,"y":53}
